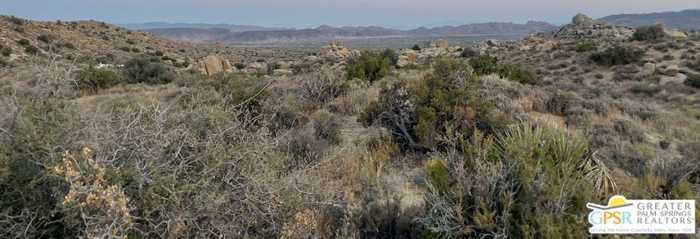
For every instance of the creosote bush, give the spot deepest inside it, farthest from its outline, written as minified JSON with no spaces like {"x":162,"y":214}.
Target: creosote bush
{"x":485,"y":65}
{"x":618,"y":55}
{"x":369,"y":66}
{"x":420,"y":115}
{"x":586,"y":46}
{"x":649,"y":33}
{"x":92,"y":79}
{"x":145,"y":69}
{"x":693,"y":81}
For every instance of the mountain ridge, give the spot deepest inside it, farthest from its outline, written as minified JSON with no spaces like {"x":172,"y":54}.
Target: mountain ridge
{"x":685,"y":19}
{"x":329,"y":32}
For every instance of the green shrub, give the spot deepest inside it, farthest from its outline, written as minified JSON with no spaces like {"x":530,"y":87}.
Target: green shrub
{"x":419,"y":116}
{"x":437,"y":174}
{"x":649,"y":33}
{"x":618,"y":55}
{"x":369,"y":66}
{"x":31,"y":50}
{"x":416,"y":47}
{"x":5,"y":51}
{"x":645,"y":88}
{"x":239,"y":66}
{"x":23,"y":42}
{"x":92,"y":79}
{"x":469,"y":52}
{"x":495,"y":186}
{"x":693,"y":81}
{"x":144,"y":69}
{"x":586,"y":46}
{"x":45,"y":38}
{"x":391,"y":55}
{"x":518,"y":74}
{"x":484,"y":65}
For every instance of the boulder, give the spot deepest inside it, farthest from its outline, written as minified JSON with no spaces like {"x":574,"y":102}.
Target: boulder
{"x":214,"y":64}
{"x":336,"y":51}
{"x":584,"y":27}
{"x":675,"y":33}
{"x":678,"y":79}
{"x":672,"y":70}
{"x":649,"y":69}
{"x":256,"y":67}
{"x":582,"y":20}
{"x":282,"y":72}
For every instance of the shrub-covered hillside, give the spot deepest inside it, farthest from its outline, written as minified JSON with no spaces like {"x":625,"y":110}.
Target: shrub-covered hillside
{"x":508,"y":141}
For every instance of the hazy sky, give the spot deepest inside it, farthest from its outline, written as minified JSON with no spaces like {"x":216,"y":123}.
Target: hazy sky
{"x":310,"y":13}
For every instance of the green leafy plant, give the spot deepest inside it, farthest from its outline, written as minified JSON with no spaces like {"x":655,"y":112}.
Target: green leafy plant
{"x":649,"y":33}
{"x":92,"y":79}
{"x":618,"y":55}
{"x":369,"y":66}
{"x":586,"y":46}
{"x":144,"y":69}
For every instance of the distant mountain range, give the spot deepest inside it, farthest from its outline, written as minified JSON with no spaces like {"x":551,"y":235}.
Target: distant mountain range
{"x":167,"y":25}
{"x":686,"y":20}
{"x":324,"y":32}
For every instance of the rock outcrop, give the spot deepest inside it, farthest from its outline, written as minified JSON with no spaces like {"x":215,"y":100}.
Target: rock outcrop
{"x":583,"y":27}
{"x":336,"y":51}
{"x":214,"y":64}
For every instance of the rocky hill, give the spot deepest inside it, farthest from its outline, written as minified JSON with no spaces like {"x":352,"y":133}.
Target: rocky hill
{"x":334,"y":33}
{"x":21,"y":39}
{"x":687,"y":19}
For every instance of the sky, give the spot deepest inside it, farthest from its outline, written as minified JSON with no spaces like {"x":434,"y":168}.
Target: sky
{"x":402,"y":14}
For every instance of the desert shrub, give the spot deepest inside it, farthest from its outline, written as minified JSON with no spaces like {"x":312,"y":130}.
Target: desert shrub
{"x":368,"y":66}
{"x":303,"y":147}
{"x":92,"y":79}
{"x":586,"y":46}
{"x":246,"y":94}
{"x":144,"y":69}
{"x":649,"y":33}
{"x":239,"y":66}
{"x":31,"y":50}
{"x":5,"y":51}
{"x":469,"y":52}
{"x":15,"y":20}
{"x":34,"y":136}
{"x":45,"y":38}
{"x":693,"y":81}
{"x":130,"y":42}
{"x":437,"y":174}
{"x":484,"y":65}
{"x":518,"y":74}
{"x":416,"y":47}
{"x":527,"y":182}
{"x":618,"y":55}
{"x":321,"y":86}
{"x":23,"y":42}
{"x":326,"y":126}
{"x":392,"y":55}
{"x":645,"y":88}
{"x":419,"y":116}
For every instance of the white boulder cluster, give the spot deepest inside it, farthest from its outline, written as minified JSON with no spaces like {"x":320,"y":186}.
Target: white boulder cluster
{"x":440,"y":47}
{"x":584,"y":27}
